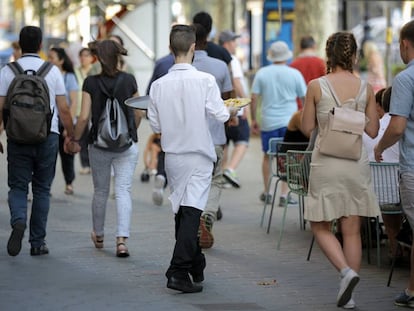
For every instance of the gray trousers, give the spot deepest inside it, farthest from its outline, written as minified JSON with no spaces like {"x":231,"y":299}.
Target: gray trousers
{"x":217,"y":182}
{"x":123,"y":164}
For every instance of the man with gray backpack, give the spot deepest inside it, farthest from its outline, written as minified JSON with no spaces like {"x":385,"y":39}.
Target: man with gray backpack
{"x":32,"y":94}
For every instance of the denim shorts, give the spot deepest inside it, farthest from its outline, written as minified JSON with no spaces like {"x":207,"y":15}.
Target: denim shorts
{"x":238,"y":134}
{"x":266,"y":136}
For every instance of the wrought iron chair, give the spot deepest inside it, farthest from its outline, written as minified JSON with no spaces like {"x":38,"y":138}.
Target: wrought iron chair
{"x":297,"y":177}
{"x":277,"y":152}
{"x":386,"y":187}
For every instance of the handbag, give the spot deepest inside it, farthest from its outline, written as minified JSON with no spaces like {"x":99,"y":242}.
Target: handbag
{"x":342,"y":138}
{"x":113,"y":131}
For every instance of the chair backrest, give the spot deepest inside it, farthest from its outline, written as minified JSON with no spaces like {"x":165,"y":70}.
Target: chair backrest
{"x":281,"y":152}
{"x":385,"y":181}
{"x":297,"y":170}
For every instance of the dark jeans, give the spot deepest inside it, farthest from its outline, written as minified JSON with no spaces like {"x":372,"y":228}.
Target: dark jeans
{"x":35,"y":164}
{"x":187,"y":256}
{"x":67,"y":162}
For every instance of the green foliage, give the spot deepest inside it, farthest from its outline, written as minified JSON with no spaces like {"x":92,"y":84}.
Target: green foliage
{"x":51,"y":7}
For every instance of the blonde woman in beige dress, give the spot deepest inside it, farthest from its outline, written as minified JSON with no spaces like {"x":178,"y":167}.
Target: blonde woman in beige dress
{"x":339,"y":189}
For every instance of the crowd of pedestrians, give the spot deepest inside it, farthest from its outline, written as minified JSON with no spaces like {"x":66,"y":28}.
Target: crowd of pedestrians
{"x":188,"y":87}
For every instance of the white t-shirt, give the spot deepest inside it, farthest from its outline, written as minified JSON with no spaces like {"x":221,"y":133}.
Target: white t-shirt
{"x":53,"y":79}
{"x":390,"y":154}
{"x":237,"y":72}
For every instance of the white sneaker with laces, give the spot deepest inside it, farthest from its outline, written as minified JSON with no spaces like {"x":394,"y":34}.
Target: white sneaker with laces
{"x":158,"y":191}
{"x":346,"y":286}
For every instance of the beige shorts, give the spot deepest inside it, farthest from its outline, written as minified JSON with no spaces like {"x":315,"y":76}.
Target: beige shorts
{"x":407,"y":195}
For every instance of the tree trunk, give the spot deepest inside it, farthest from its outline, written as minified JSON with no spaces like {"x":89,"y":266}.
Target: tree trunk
{"x":317,"y":18}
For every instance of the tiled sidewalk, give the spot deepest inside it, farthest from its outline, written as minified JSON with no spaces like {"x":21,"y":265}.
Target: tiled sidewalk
{"x":244,"y":272}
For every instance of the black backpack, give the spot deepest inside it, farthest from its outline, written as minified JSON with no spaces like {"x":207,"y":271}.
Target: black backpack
{"x":27,"y":113}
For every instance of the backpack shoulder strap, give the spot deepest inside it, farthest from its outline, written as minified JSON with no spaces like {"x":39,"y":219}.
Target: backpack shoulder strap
{"x":117,"y":83}
{"x":329,"y":85}
{"x":16,"y":68}
{"x":103,"y":87}
{"x":44,"y":69}
{"x":361,"y":90}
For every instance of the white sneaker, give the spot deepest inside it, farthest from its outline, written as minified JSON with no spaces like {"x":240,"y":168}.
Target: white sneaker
{"x":350,"y":304}
{"x":346,"y":286}
{"x":158,"y":191}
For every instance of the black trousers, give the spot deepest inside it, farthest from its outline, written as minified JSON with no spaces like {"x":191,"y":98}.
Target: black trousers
{"x":187,"y":256}
{"x":67,"y":161}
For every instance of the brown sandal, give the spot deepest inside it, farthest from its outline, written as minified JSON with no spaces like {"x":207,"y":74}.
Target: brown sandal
{"x":121,"y":250}
{"x":97,"y":240}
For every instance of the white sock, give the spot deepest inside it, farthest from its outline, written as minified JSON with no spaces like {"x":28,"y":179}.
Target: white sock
{"x":344,"y":271}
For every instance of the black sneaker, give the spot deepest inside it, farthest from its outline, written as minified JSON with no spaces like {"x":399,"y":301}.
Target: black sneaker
{"x":14,"y":245}
{"x":404,"y":300}
{"x":37,"y":251}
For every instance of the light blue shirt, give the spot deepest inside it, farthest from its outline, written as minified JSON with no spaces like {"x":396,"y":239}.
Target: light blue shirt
{"x":221,"y":73}
{"x":402,"y":104}
{"x":278,"y":85}
{"x":71,"y":84}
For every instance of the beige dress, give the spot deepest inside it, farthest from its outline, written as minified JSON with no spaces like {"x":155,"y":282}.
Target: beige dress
{"x":338,"y":187}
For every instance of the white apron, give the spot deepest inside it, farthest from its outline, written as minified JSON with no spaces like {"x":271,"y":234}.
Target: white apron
{"x":189,"y":178}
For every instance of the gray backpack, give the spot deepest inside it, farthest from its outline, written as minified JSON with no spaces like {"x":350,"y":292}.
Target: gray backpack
{"x":27,"y":113}
{"x":112,"y":129}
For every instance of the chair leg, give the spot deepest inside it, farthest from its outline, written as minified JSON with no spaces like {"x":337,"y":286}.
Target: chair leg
{"x":282,"y":227}
{"x":302,"y":224}
{"x":272,"y":207}
{"x":265,"y":202}
{"x":378,"y":243}
{"x":310,"y":248}
{"x":394,"y":259}
{"x":368,"y":239}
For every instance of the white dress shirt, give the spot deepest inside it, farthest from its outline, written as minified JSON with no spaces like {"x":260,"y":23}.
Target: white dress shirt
{"x":181,"y":102}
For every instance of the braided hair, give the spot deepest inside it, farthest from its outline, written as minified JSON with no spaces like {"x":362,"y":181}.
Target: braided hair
{"x":340,"y":49}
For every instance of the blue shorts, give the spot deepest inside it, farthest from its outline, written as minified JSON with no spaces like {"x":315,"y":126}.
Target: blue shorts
{"x":238,"y":134}
{"x":278,"y":133}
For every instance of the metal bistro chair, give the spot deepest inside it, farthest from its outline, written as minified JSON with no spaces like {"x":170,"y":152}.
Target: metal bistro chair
{"x":271,"y":152}
{"x":277,"y":153}
{"x":386,"y":187}
{"x":297,"y":177}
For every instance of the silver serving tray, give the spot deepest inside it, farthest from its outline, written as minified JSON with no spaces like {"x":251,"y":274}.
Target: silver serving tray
{"x":140,"y":102}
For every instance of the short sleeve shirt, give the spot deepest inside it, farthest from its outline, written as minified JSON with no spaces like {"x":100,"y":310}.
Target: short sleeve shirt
{"x":402,"y":104}
{"x":221,"y":72}
{"x":278,"y":85}
{"x":126,"y":89}
{"x":71,"y":84}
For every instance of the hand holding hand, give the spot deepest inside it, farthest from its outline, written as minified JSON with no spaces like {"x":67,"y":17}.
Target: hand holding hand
{"x":71,"y":146}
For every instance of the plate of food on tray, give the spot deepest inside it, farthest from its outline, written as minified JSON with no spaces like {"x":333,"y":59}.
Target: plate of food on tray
{"x":237,"y":102}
